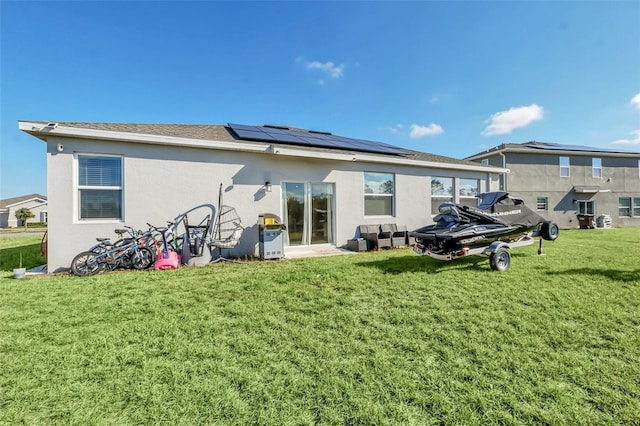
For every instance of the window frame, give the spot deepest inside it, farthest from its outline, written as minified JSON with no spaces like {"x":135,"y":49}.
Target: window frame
{"x":544,"y":201}
{"x":628,"y":207}
{"x":463,"y":199}
{"x":378,"y":195}
{"x":564,"y":167}
{"x":437,"y":199}
{"x":635,"y":207}
{"x":597,"y":168}
{"x":589,"y":207}
{"x":78,"y":188}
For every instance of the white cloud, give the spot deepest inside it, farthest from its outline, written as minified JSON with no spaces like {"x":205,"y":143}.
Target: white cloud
{"x":329,"y":69}
{"x":434,"y":100}
{"x":393,"y":129}
{"x":636,"y":101}
{"x":505,"y":122}
{"x":422,"y":131}
{"x":634,"y":140}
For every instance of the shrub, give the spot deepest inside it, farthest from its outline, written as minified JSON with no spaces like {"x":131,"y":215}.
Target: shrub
{"x":36,"y":224}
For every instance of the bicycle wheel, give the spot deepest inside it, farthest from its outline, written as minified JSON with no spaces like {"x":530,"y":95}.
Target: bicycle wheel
{"x":152,"y":245}
{"x":142,"y":259}
{"x":85,"y":264}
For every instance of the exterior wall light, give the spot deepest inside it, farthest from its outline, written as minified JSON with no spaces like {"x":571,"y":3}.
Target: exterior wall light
{"x":267,"y":186}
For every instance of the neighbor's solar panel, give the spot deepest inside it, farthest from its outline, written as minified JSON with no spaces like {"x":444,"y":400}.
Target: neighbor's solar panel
{"x":317,"y":139}
{"x":558,"y":147}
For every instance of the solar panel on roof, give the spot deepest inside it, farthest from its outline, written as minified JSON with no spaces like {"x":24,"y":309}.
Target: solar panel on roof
{"x":275,"y":131}
{"x":558,"y":147}
{"x":317,"y":139}
{"x":242,"y":127}
{"x":253,"y":135}
{"x":289,"y":137}
{"x":319,"y":136}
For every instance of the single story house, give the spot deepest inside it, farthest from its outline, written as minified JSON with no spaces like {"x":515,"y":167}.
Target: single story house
{"x":563,"y":181}
{"x":101,"y":176}
{"x":36,"y":203}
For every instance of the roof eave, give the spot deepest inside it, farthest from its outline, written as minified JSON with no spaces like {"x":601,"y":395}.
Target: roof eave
{"x":44,"y":200}
{"x":36,"y":129}
{"x":86,"y":133}
{"x":369,"y":158}
{"x":527,"y":150}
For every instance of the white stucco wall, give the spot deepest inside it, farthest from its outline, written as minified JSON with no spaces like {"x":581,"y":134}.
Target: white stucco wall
{"x":162,"y":181}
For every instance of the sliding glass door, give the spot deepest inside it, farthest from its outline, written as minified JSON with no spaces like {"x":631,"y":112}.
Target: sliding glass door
{"x":308,"y":212}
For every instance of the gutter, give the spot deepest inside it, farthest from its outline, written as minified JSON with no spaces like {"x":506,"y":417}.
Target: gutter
{"x":367,"y":158}
{"x":527,"y":150}
{"x":38,"y":131}
{"x":41,"y":131}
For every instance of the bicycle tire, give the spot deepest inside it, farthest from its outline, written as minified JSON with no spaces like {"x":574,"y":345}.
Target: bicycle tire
{"x":142,"y":259}
{"x":85,"y":264}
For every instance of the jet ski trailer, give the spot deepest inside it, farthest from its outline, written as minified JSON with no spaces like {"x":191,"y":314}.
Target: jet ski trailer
{"x":498,"y":224}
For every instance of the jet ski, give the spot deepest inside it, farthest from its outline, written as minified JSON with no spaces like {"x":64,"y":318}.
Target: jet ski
{"x":499,"y":223}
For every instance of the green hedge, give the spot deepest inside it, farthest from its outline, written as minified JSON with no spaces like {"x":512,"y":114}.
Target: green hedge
{"x":36,"y":224}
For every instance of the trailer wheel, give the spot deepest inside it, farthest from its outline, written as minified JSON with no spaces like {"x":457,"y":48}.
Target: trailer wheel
{"x":549,"y":231}
{"x":500,"y":259}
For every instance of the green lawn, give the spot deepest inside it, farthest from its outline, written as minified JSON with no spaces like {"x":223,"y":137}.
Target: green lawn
{"x":14,"y":247}
{"x":370,"y":338}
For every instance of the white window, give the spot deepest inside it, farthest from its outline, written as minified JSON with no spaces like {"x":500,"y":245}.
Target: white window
{"x":596,"y":167}
{"x":44,"y":217}
{"x":99,"y":187}
{"x":624,"y":206}
{"x":585,"y":207}
{"x":564,"y":166}
{"x":441,"y":192}
{"x":628,"y":207}
{"x":468,"y":192}
{"x":378,"y":194}
{"x":485,"y":161}
{"x":542,"y":203}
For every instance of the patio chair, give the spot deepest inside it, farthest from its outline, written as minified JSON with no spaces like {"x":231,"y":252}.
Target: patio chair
{"x":399,"y":236}
{"x":227,"y":232}
{"x":375,"y":238}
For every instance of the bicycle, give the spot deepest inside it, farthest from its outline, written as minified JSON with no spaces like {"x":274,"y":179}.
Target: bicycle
{"x":149,"y":240}
{"x":106,"y":256}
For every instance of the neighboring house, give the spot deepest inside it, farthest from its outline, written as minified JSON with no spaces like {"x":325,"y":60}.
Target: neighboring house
{"x":103,"y":175}
{"x":562,"y":181}
{"x":36,"y":203}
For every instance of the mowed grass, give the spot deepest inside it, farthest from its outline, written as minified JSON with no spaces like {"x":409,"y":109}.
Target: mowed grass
{"x":370,"y":338}
{"x":13,"y":248}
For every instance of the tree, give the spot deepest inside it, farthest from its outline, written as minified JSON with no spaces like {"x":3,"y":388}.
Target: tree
{"x":437,"y":188}
{"x":387,"y":187}
{"x":24,"y":214}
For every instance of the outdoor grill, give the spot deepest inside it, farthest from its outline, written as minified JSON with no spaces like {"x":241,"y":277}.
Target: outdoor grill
{"x":270,"y":229}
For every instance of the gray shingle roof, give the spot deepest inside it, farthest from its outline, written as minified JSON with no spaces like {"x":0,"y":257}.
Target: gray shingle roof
{"x":10,"y":201}
{"x":546,"y":147}
{"x":217,"y":132}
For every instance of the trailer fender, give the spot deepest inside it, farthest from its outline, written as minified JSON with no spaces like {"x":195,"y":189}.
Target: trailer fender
{"x":494,"y":247}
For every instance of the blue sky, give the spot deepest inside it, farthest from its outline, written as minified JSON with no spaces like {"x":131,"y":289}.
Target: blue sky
{"x":450,"y":78}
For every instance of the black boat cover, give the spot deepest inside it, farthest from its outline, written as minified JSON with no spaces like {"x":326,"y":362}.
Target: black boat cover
{"x":507,"y":210}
